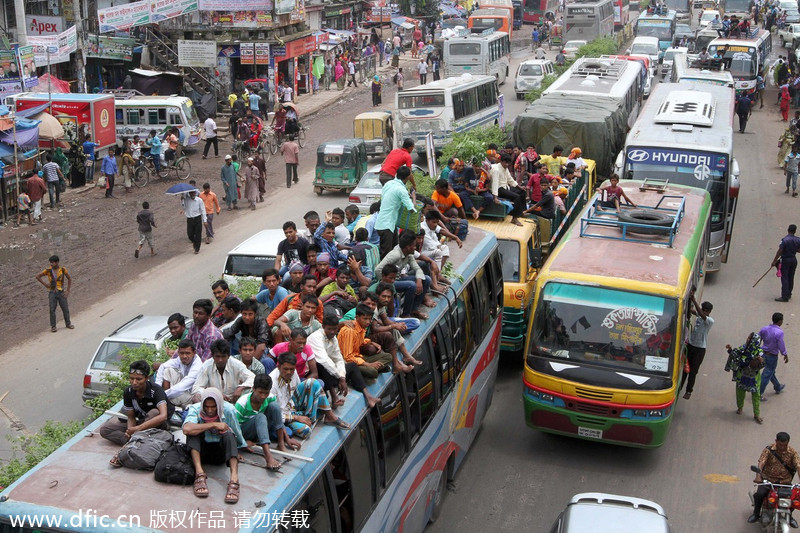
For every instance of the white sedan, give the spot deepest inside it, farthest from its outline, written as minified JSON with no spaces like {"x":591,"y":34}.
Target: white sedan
{"x":571,"y":48}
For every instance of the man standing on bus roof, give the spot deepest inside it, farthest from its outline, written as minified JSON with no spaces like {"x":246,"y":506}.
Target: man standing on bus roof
{"x":696,"y":347}
{"x":396,"y":159}
{"x":787,"y":255}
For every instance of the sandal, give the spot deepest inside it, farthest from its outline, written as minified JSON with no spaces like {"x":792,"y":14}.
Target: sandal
{"x":738,"y":411}
{"x":200,"y":486}
{"x":339,"y":423}
{"x":758,"y":419}
{"x":115,"y":462}
{"x":232,"y":494}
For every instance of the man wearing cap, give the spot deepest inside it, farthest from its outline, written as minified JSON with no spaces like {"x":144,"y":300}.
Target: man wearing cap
{"x":696,"y":348}
{"x":396,"y":159}
{"x":228,"y":177}
{"x":787,"y":255}
{"x":195,"y":211}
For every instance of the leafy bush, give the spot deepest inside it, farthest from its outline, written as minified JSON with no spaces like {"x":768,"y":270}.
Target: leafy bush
{"x":598,"y":47}
{"x":472,"y":143}
{"x":34,"y":448}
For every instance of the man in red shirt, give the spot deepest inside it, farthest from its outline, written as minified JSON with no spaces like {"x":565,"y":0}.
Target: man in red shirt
{"x":36,"y":191}
{"x":396,"y":159}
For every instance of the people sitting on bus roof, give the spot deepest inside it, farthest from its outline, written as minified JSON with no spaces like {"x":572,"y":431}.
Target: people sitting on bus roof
{"x":178,"y":375}
{"x":247,"y":324}
{"x":261,"y":422}
{"x":546,"y":206}
{"x":304,"y":318}
{"x":294,"y":301}
{"x":301,"y":401}
{"x":223,"y":373}
{"x":357,"y":348}
{"x":213,"y":436}
{"x":144,"y":404}
{"x":613,"y":194}
{"x":247,"y":355}
{"x":416,"y":286}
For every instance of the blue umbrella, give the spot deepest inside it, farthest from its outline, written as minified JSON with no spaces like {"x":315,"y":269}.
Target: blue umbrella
{"x":181,"y":188}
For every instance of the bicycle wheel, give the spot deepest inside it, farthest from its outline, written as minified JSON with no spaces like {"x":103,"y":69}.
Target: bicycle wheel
{"x":266,"y":149}
{"x":273,"y":145}
{"x":163,"y":171}
{"x":141,"y":176}
{"x":301,"y":137}
{"x":183,"y":169}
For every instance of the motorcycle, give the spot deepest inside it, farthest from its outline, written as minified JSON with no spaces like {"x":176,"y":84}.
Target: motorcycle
{"x":778,"y":505}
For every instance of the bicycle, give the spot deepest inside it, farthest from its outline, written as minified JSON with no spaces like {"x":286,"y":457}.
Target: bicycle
{"x":145,"y":170}
{"x":280,"y":137}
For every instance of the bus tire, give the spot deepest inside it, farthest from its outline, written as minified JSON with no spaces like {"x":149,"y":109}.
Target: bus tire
{"x":441,"y":492}
{"x":660,"y":222}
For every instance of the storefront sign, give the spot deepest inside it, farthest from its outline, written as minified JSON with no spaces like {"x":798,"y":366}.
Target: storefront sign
{"x":377,"y":14}
{"x":234,"y":5}
{"x":64,"y":44}
{"x":247,"y":54}
{"x":229,"y":51}
{"x":38,"y":25}
{"x":124,"y":16}
{"x":238,"y":19}
{"x":299,"y":47}
{"x":28,"y":63}
{"x":200,"y":54}
{"x":262,"y":53}
{"x":278,"y":51}
{"x":298,"y":14}
{"x":167,"y":9}
{"x":284,"y":6}
{"x":118,"y":48}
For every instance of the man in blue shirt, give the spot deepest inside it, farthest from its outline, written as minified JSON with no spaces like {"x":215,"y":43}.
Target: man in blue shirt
{"x":109,"y":170}
{"x":88,"y":150}
{"x":254,"y":100}
{"x":394,"y":195}
{"x":772,"y":344}
{"x":787,"y":255}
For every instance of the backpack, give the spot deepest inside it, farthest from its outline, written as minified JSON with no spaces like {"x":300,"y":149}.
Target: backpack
{"x":175,"y":465}
{"x":459,"y":227}
{"x":144,"y":449}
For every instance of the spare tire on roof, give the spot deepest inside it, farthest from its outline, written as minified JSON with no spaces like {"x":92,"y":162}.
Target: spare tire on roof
{"x":658,"y":221}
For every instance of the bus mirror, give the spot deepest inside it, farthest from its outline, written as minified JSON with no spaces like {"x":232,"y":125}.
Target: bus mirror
{"x":629,"y":175}
{"x":735,"y":168}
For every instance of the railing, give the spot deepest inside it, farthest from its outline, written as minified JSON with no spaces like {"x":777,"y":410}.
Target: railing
{"x":154,"y":37}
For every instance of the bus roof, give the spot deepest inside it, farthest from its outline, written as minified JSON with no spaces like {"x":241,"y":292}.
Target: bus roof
{"x":595,"y":260}
{"x":144,"y":100}
{"x":85,"y":480}
{"x":587,"y":3}
{"x":671,"y":14}
{"x":485,"y":12}
{"x":655,"y":128}
{"x":464,"y":80}
{"x":762,"y":35}
{"x":591,"y":75}
{"x":496,"y":3}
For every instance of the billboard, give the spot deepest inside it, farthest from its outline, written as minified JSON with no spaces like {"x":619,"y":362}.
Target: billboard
{"x":201,"y":54}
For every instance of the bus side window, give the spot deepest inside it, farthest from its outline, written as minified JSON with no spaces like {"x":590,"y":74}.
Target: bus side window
{"x":497,"y":276}
{"x":119,"y":114}
{"x":175,"y":117}
{"x":462,"y":334}
{"x":354,"y":474}
{"x":441,"y":342}
{"x":157,"y":117}
{"x":390,"y":431}
{"x":133,"y":116}
{"x":316,"y":505}
{"x":420,"y":393}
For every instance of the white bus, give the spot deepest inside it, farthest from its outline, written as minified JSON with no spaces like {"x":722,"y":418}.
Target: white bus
{"x":137,"y":114}
{"x":745,"y":58}
{"x":683,"y":70}
{"x":487,"y":55}
{"x":444,"y":107}
{"x":586,"y":21}
{"x":617,"y":79}
{"x":685,"y":135}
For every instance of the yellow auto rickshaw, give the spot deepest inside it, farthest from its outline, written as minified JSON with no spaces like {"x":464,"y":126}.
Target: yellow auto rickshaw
{"x":377,"y":130}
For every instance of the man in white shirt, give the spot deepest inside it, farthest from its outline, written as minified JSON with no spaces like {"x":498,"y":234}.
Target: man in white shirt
{"x":178,"y":375}
{"x":504,"y":186}
{"x":431,"y":244}
{"x":195,"y":211}
{"x":287,"y":92}
{"x":210,"y":128}
{"x":223,"y":372}
{"x":351,"y":70}
{"x":422,"y":67}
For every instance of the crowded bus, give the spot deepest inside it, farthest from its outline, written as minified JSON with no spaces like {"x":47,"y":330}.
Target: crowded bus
{"x":488,"y":55}
{"x":685,"y":134}
{"x":446,"y":106}
{"x":384,"y":468}
{"x":605,"y":351}
{"x":745,"y":58}
{"x":621,"y":13}
{"x":588,"y":21}
{"x":535,"y":11}
{"x":660,"y":26}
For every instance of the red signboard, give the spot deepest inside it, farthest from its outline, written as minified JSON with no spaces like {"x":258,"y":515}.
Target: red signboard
{"x":79,"y":114}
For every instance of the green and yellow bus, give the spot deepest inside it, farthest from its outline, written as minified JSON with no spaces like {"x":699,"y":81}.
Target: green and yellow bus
{"x":604,"y":353}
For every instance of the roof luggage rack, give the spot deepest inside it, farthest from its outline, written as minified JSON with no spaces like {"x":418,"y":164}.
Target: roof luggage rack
{"x":123,"y":94}
{"x":658,"y":221}
{"x":605,"y":68}
{"x":650,"y":184}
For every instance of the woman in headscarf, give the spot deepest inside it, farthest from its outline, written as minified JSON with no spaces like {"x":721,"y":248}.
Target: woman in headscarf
{"x":746,"y":363}
{"x":376,"y":91}
{"x":251,"y":176}
{"x":213,"y":436}
{"x":785,"y":100}
{"x":524,"y":165}
{"x":338,"y":75}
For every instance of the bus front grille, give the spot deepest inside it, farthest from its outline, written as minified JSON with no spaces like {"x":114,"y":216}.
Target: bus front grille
{"x":593,"y":395}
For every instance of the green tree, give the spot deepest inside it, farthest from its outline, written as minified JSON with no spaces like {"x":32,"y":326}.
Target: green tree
{"x":466,"y":145}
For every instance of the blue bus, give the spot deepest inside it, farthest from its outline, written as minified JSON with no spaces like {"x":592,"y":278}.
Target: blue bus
{"x":661,"y":26}
{"x":388,"y":473}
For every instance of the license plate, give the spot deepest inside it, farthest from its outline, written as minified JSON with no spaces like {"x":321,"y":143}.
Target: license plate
{"x":372,"y":199}
{"x":591,"y":433}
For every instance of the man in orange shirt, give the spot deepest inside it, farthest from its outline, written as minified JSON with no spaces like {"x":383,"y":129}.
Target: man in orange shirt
{"x":210,"y":200}
{"x":294,"y":301}
{"x":357,"y":348}
{"x":451,"y":208}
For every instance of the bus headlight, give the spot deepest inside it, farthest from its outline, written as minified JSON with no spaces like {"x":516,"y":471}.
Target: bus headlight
{"x":714,"y":252}
{"x":658,"y":413}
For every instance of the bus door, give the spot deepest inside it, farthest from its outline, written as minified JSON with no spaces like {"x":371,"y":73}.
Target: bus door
{"x":730,"y":215}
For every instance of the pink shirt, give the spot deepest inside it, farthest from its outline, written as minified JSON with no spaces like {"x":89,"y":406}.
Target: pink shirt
{"x":291,"y":152}
{"x":306,"y":355}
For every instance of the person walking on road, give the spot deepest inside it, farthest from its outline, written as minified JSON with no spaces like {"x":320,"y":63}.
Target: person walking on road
{"x":212,"y":206}
{"x":36,"y":191}
{"x":195,"y":211}
{"x":351,"y":71}
{"x":745,"y":362}
{"x":376,"y":91}
{"x":787,"y":256}
{"x":109,"y":170}
{"x":228,"y":176}
{"x":291,"y":156}
{"x":88,"y":151}
{"x":52,"y":175}
{"x":399,"y":78}
{"x":55,"y":276}
{"x":328,"y":75}
{"x":772,"y":344}
{"x":211,"y":137}
{"x":696,"y":348}
{"x":791,"y":164}
{"x":145,"y":222}
{"x":251,"y":183}
{"x":743,"y":108}
{"x":422,"y":67}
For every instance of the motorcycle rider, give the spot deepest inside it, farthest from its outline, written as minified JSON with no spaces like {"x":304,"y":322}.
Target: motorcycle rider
{"x":778,"y":464}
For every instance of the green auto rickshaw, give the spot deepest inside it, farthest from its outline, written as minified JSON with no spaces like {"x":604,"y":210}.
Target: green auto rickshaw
{"x":340,"y":165}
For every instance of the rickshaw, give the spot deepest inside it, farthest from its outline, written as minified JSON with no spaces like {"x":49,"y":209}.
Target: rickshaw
{"x":377,"y":130}
{"x":340,"y":164}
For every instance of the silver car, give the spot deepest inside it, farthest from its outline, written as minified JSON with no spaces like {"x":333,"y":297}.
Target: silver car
{"x":368,"y":190}
{"x":150,"y":331}
{"x":609,"y":513}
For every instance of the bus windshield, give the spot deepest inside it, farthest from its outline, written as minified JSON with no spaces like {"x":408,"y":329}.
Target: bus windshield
{"x":484,"y":23}
{"x":740,"y":64}
{"x":421,"y":101}
{"x":465,"y":49}
{"x":644,"y":49}
{"x":684,"y":167}
{"x":661,"y":31}
{"x":530,"y":70}
{"x":610,"y":329}
{"x":191,"y":114}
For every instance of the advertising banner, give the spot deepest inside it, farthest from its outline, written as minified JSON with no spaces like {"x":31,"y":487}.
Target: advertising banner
{"x":124,"y":16}
{"x":9,"y":72}
{"x":284,"y":6}
{"x":262,"y":53}
{"x":119,"y":48}
{"x":202,"y":54}
{"x":232,"y":5}
{"x":39,"y":25}
{"x":246,"y":54}
{"x":167,"y":9}
{"x":64,"y":44}
{"x":28,"y":62}
{"x":238,"y":19}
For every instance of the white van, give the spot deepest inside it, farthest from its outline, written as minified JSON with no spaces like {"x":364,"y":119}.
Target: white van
{"x":669,"y":58}
{"x":137,"y":114}
{"x":252,"y":257}
{"x":530,"y":74}
{"x":648,"y":47}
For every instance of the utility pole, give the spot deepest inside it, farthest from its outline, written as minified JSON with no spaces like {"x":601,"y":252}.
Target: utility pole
{"x":80,"y":58}
{"x":22,"y":30}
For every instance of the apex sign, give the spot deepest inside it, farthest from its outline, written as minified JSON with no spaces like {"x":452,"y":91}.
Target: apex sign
{"x":39,"y":25}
